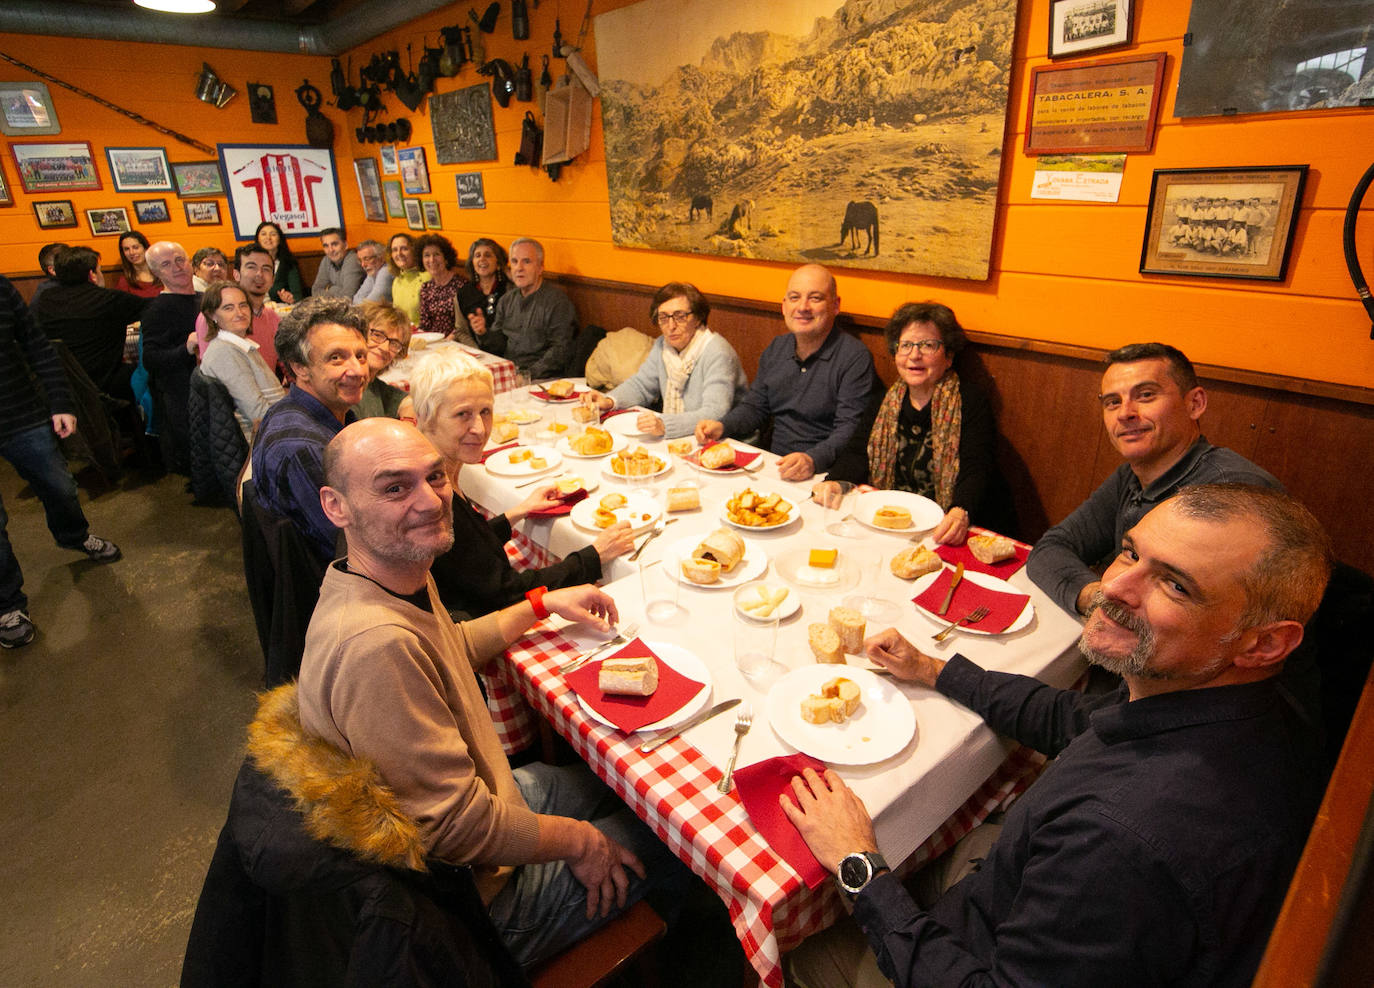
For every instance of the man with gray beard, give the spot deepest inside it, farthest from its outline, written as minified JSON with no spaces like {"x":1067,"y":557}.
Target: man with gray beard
{"x":1157,"y":847}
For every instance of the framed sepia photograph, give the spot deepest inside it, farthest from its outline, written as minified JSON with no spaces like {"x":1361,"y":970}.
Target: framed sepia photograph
{"x":109,"y":221}
{"x":414,"y":171}
{"x":139,"y":169}
{"x":415,"y":216}
{"x":431,"y":209}
{"x":1222,"y":222}
{"x":370,"y":188}
{"x":391,"y":192}
{"x":1081,"y":26}
{"x":152,"y":211}
{"x":26,"y":109}
{"x":198,"y":178}
{"x":54,"y":214}
{"x":1107,"y":106}
{"x":46,"y":167}
{"x":202,"y":213}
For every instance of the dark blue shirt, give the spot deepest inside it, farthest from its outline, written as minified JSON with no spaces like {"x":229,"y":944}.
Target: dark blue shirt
{"x":288,"y":464}
{"x":819,"y":405}
{"x":1155,"y":850}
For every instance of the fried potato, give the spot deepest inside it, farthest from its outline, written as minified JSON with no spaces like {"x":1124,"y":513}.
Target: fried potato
{"x":754,"y":510}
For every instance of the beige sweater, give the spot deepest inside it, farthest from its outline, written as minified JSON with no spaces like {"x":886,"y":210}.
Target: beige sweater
{"x":383,"y":680}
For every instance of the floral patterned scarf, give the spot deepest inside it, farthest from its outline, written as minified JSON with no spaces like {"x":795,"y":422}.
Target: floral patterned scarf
{"x":946,"y":421}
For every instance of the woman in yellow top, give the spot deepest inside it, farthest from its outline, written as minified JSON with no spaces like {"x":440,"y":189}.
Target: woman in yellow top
{"x":406,"y":276}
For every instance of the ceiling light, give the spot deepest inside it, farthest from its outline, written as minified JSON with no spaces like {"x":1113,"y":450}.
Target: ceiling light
{"x":178,"y":6}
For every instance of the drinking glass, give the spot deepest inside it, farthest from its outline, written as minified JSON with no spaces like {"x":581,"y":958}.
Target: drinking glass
{"x":756,"y":641}
{"x":879,"y":610}
{"x":837,"y":498}
{"x":659,"y":592}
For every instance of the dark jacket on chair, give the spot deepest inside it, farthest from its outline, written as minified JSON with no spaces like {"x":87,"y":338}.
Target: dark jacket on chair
{"x":218,"y":448}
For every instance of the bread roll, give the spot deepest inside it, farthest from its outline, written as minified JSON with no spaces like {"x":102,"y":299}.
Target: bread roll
{"x":560,"y":389}
{"x":849,"y":624}
{"x":538,"y":463}
{"x":815,"y":710}
{"x":991,"y":548}
{"x":845,"y":693}
{"x":505,"y":432}
{"x":593,"y":442}
{"x":703,"y":572}
{"x":722,"y":545}
{"x":718,"y":456}
{"x":892,"y":516}
{"x":681,"y":447}
{"x":585,"y":413}
{"x":683,"y":498}
{"x":915,"y":561}
{"x":629,"y":676}
{"x":825,"y":644}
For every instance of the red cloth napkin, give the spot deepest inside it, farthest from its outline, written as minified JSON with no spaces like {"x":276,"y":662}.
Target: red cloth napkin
{"x":758,"y":786}
{"x":742,"y":459}
{"x":496,"y":449}
{"x":630,"y":713}
{"x":566,"y":504}
{"x":541,"y":393}
{"x":955,"y":554}
{"x":1005,"y":607}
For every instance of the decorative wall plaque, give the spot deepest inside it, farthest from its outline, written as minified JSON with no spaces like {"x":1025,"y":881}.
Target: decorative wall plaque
{"x":463,"y":129}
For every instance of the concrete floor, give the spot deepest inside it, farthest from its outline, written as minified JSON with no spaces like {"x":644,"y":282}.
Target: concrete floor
{"x":121,"y":729}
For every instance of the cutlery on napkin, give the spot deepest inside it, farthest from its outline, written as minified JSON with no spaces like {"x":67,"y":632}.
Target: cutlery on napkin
{"x":1004,"y":608}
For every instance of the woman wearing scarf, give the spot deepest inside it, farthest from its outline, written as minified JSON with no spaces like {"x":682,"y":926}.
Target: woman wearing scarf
{"x":935,"y":434}
{"x":690,"y":373}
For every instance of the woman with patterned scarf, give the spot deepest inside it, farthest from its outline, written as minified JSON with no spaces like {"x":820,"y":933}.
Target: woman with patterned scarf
{"x":935,"y":434}
{"x":690,"y":373}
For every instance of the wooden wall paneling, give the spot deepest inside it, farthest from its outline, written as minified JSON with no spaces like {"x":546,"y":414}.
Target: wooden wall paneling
{"x":1234,"y":415}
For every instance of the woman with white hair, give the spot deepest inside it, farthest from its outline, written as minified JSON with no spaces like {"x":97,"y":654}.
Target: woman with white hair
{"x":454,"y":400}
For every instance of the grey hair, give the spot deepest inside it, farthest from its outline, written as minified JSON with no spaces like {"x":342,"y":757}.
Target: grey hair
{"x":436,"y":374}
{"x":538,"y":247}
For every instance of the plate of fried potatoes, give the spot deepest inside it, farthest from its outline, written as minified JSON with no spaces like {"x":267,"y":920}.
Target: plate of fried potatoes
{"x":754,"y":510}
{"x":636,"y":461}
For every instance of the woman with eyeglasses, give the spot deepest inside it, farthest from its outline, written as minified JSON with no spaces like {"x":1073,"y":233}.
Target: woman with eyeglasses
{"x":935,"y":434}
{"x":690,"y":373}
{"x":388,"y":338}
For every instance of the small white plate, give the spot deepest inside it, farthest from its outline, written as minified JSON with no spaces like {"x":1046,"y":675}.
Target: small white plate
{"x":641,"y":512}
{"x":792,"y":515}
{"x":925,"y":513}
{"x":789,"y":606}
{"x":565,"y":447}
{"x":523,"y":416}
{"x":882,"y":726}
{"x":983,"y":580}
{"x":684,"y":662}
{"x":623,"y":424}
{"x":751,"y":567}
{"x":795,"y":567}
{"x":499,"y":464}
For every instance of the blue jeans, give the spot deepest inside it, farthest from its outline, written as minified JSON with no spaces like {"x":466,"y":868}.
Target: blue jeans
{"x":39,"y":462}
{"x":543,"y":908}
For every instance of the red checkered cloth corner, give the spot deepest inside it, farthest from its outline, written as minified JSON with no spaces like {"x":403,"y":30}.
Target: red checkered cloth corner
{"x":502,"y":373}
{"x":673,"y":789}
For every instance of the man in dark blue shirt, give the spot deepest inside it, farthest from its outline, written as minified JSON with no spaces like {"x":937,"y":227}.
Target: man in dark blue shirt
{"x":324,"y":343}
{"x":817,"y":383}
{"x":1157,"y":847}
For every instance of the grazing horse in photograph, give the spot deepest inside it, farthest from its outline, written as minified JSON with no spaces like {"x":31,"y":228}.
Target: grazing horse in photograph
{"x":700,"y":204}
{"x":860,"y":216}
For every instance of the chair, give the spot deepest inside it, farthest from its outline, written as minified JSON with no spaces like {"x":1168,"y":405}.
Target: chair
{"x":218,"y":449}
{"x":97,"y":436}
{"x":613,"y":949}
{"x":582,"y":346}
{"x":1340,"y":632}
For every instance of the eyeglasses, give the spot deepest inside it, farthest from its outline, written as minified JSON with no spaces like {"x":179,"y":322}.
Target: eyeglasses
{"x":666,"y":319}
{"x":905,"y":347}
{"x":377,"y":336}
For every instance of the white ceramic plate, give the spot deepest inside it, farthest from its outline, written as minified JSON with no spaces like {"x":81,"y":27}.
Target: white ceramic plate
{"x":792,"y":515}
{"x":925,"y":513}
{"x":637,"y":507}
{"x":589,"y":481}
{"x":794,"y":567}
{"x":538,"y":393}
{"x":789,"y":606}
{"x":523,"y":416}
{"x":751,"y":567}
{"x":623,"y":424}
{"x":565,"y":447}
{"x":607,"y":469}
{"x":881,"y":727}
{"x":684,"y":662}
{"x":983,"y":580}
{"x":499,"y":464}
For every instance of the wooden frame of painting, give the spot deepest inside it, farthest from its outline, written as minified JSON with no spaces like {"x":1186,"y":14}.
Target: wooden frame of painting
{"x":1078,"y":27}
{"x":55,"y":167}
{"x":54,"y":214}
{"x":370,"y":189}
{"x":6,"y":196}
{"x":1110,"y":105}
{"x":139,"y":169}
{"x":152,"y":211}
{"x":415,"y":215}
{"x":108,"y":221}
{"x":1223,"y":222}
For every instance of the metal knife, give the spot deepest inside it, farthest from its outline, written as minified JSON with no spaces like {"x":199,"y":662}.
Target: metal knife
{"x":958,"y":575}
{"x":701,"y":718}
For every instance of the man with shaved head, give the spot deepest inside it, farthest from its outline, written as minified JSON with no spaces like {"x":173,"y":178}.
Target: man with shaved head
{"x":817,"y":384}
{"x":169,"y":349}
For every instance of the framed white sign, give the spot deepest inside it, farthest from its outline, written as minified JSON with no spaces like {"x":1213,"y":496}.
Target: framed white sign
{"x":293,"y":185}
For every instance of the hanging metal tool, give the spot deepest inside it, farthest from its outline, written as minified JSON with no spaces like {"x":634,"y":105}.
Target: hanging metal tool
{"x":1352,"y":259}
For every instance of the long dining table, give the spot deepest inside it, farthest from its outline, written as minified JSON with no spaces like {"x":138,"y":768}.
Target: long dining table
{"x":951,"y":774}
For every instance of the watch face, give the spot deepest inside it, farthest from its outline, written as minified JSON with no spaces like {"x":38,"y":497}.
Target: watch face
{"x":854,"y":871}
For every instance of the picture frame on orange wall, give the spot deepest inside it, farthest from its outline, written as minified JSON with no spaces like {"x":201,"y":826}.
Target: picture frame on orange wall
{"x":395,"y":205}
{"x":1223,"y":222}
{"x":54,"y":214}
{"x":108,"y":221}
{"x":202,"y":212}
{"x":55,"y":167}
{"x":152,"y":211}
{"x":414,"y":171}
{"x":431,"y":210}
{"x":1081,"y":26}
{"x":388,"y":155}
{"x":6,"y":196}
{"x":26,"y":110}
{"x":415,"y":216}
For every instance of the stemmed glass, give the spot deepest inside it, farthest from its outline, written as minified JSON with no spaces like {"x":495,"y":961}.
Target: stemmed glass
{"x":837,"y":498}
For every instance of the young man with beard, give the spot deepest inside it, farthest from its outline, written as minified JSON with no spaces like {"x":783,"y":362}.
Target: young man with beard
{"x":1157,"y":847}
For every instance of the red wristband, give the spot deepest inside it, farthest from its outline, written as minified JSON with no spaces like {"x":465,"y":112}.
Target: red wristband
{"x":536,"y":599}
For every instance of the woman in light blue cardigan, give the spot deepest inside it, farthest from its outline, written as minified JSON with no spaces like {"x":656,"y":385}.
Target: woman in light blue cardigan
{"x":690,"y":373}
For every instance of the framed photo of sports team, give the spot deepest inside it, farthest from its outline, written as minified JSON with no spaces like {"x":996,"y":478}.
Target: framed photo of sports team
{"x":1081,"y":26}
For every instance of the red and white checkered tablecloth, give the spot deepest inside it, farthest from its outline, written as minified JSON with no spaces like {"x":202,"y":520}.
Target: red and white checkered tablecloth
{"x":502,"y":372}
{"x":673,"y":789}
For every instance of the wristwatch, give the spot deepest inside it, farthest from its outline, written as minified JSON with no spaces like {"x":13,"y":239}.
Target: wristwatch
{"x":858,"y":869}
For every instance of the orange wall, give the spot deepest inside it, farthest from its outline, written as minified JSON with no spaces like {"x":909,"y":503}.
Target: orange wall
{"x":1061,"y":272}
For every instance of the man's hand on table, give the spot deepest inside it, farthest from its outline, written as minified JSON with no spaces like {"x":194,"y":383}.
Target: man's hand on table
{"x":831,"y":819}
{"x":796,"y":466}
{"x":585,"y":605}
{"x":708,"y":431}
{"x":953,"y":527}
{"x":905,"y":661}
{"x":614,"y":542}
{"x":601,"y":868}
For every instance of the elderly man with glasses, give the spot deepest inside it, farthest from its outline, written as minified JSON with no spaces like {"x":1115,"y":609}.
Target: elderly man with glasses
{"x":376,"y":286}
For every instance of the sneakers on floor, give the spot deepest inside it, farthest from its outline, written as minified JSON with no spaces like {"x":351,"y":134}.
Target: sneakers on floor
{"x":100,"y":550}
{"x":15,"y":629}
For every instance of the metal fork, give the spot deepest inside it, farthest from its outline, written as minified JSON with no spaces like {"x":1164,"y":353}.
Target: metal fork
{"x":621,"y":637}
{"x":973,"y":617}
{"x":742,"y":724}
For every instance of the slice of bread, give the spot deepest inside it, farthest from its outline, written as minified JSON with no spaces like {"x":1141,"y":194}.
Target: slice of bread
{"x":825,"y":644}
{"x":629,"y":676}
{"x":990,"y":549}
{"x":849,"y":625}
{"x":914,"y":561}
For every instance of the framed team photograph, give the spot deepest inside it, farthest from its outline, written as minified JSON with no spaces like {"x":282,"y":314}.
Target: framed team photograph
{"x":109,"y":221}
{"x":389,"y":166}
{"x":1223,"y":222}
{"x":370,"y":188}
{"x":54,"y":214}
{"x":198,"y":178}
{"x":47,"y":167}
{"x":1081,"y":26}
{"x":202,"y":213}
{"x":391,"y":192}
{"x":414,"y":171}
{"x":139,"y":169}
{"x":152,"y":211}
{"x":26,"y":109}
{"x":415,"y":216}
{"x":431,"y":210}
{"x":6,"y":196}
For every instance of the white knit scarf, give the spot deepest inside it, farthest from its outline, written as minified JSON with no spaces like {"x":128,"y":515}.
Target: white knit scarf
{"x":679,"y":367}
